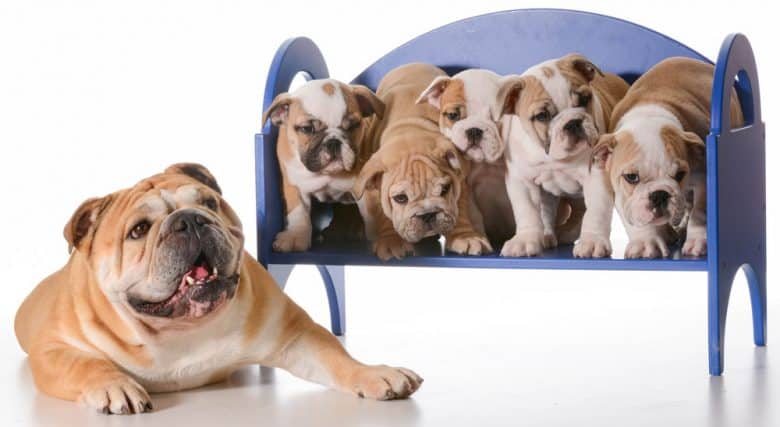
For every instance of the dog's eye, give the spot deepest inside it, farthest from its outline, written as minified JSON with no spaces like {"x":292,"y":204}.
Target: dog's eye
{"x":583,"y":99}
{"x":631,"y":178}
{"x":349,"y":127}
{"x":445,"y":189}
{"x":139,"y":230}
{"x":543,"y":117}
{"x":400,"y":198}
{"x":305,"y":129}
{"x":679,"y":176}
{"x":211,"y":203}
{"x":453,"y":115}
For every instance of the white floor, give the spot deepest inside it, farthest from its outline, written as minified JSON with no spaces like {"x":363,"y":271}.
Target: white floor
{"x":495,"y":348}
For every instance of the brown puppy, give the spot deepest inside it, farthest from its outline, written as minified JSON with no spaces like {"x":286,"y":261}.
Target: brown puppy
{"x":415,"y":180}
{"x":159,"y":295}
{"x":321,"y":149}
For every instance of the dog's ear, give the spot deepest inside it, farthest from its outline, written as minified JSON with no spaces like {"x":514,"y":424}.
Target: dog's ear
{"x":79,"y":230}
{"x":603,"y":150}
{"x":370,"y":177}
{"x":197,"y":172}
{"x":508,"y":94}
{"x":696,"y":149}
{"x":279,"y":110}
{"x":582,"y":65}
{"x":432,"y":94}
{"x":368,"y":102}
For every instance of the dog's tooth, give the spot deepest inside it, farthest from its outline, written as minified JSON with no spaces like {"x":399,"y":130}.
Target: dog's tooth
{"x":189,"y":280}
{"x":215,"y":272}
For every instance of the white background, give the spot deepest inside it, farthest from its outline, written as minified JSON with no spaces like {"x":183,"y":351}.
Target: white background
{"x":95,"y":95}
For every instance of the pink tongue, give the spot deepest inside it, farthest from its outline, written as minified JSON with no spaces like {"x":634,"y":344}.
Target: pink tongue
{"x":199,"y":272}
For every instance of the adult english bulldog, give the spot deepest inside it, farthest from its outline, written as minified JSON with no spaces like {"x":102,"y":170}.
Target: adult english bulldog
{"x":552,"y":116}
{"x":655,"y":154}
{"x":414,"y":183}
{"x":320,"y":148}
{"x":159,"y":295}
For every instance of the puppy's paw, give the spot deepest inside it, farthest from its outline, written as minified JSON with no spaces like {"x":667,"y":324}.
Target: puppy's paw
{"x":549,"y":240}
{"x":651,"y":246}
{"x":524,"y":244}
{"x":469,"y":244}
{"x":392,"y":246}
{"x":695,"y":246}
{"x":382,"y":382}
{"x":592,"y":246}
{"x":120,"y":396}
{"x":293,"y":240}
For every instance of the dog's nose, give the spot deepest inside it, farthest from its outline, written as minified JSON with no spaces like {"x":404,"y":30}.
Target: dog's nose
{"x":333,"y":146}
{"x":474,"y":135}
{"x":573,"y":127}
{"x":659,"y":198}
{"x":427,"y":217}
{"x":189,"y":221}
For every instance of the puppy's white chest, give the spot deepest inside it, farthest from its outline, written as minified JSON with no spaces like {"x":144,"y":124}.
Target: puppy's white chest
{"x":558,"y":182}
{"x":324,"y":188}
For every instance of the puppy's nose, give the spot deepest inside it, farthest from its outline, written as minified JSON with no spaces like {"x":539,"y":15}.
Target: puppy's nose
{"x":474,"y":135}
{"x":427,"y":217}
{"x":659,"y":198}
{"x":333,"y":146}
{"x":573,"y":127}
{"x":189,"y":221}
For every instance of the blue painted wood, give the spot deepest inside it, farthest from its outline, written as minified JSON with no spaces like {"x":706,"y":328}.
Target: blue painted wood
{"x":736,"y":195}
{"x":334,"y":279}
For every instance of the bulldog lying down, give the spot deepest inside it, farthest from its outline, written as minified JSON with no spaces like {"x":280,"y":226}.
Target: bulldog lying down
{"x":159,"y":295}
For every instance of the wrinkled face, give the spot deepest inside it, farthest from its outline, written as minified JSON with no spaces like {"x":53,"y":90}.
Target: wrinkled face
{"x":572,"y":134}
{"x":468,"y":116}
{"x":420,"y":197}
{"x":323,"y":122}
{"x":649,"y":172}
{"x":168,"y":249}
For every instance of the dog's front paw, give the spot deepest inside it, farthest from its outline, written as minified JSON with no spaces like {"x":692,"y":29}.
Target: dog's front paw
{"x":392,"y":246}
{"x":469,"y":244}
{"x":120,"y":396}
{"x":651,"y":246}
{"x":549,"y":240}
{"x":592,"y":246}
{"x":293,"y":240}
{"x":382,"y":382}
{"x":695,"y":246}
{"x":524,"y":244}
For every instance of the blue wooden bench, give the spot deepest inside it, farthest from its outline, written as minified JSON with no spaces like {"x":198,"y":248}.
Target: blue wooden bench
{"x":509,"y":42}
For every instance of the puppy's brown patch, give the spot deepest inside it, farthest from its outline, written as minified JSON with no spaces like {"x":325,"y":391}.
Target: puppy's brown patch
{"x":547,"y":71}
{"x":453,"y":100}
{"x":329,"y":89}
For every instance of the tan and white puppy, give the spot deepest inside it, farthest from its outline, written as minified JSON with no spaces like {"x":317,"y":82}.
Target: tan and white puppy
{"x":321,"y":149}
{"x":159,"y":295}
{"x":552,"y":116}
{"x":655,"y":154}
{"x":414,"y":184}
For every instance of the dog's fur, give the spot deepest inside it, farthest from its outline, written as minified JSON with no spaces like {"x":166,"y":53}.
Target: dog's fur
{"x":118,"y":320}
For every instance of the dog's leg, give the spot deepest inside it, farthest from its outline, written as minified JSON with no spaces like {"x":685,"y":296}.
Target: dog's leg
{"x":549,"y":218}
{"x":597,"y":221}
{"x":69,"y":373}
{"x":646,"y":242}
{"x":297,"y":233}
{"x":464,"y":239}
{"x":696,"y":239}
{"x":526,"y":207}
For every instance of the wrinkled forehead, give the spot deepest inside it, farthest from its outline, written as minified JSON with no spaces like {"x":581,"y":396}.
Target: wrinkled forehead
{"x":163,"y":194}
{"x":646,"y":151}
{"x":328,"y":101}
{"x":547,"y":81}
{"x":418,"y":172}
{"x":477,"y":89}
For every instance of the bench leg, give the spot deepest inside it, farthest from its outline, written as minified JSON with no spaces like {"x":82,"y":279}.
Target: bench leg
{"x":719,"y":288}
{"x":333,"y":277}
{"x":280,"y":273}
{"x":756,"y":278}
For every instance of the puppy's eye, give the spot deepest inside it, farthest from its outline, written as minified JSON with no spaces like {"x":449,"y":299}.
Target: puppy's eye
{"x":305,"y":129}
{"x":211,"y":203}
{"x":631,"y":178}
{"x":139,"y":230}
{"x":445,"y":189}
{"x":679,"y":176}
{"x":453,"y":115}
{"x":543,"y":117}
{"x":583,"y":99}
{"x":401,"y":198}
{"x":349,"y":127}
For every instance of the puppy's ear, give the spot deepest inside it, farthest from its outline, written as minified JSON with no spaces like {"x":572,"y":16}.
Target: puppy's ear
{"x":508,"y":94}
{"x":582,"y":65}
{"x":696,"y":150}
{"x":197,"y":172}
{"x":603,"y":150}
{"x":368,"y":102}
{"x":279,"y":110}
{"x":432,"y":94}
{"x":370,"y":177}
{"x":79,"y":230}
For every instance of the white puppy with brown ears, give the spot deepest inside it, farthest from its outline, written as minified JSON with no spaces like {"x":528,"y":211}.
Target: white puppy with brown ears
{"x":552,"y":116}
{"x":655,"y":156}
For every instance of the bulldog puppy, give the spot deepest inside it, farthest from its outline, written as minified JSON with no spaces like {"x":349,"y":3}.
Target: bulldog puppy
{"x":655,"y":155}
{"x":414,"y":185}
{"x":320,"y":148}
{"x":552,"y":116}
{"x":159,"y":295}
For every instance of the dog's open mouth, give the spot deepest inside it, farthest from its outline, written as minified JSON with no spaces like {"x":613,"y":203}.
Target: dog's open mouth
{"x":201,"y":290}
